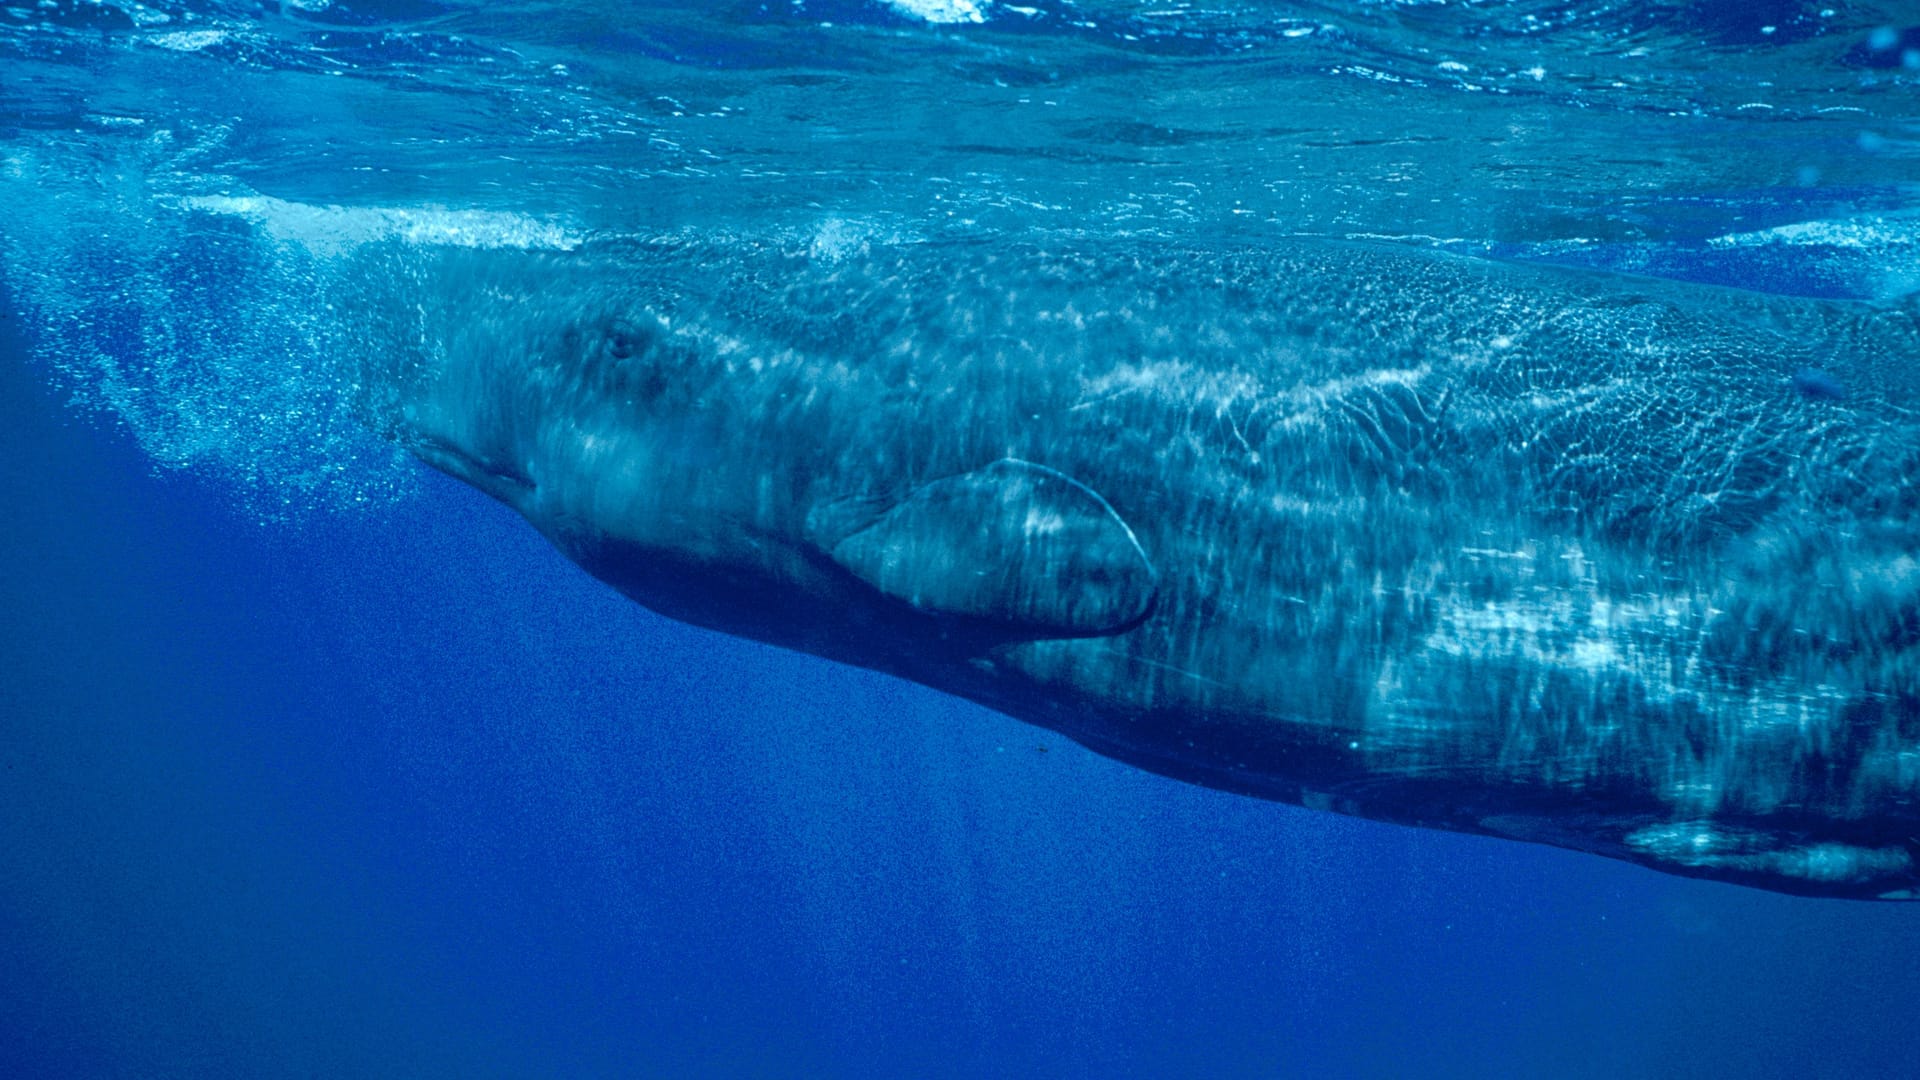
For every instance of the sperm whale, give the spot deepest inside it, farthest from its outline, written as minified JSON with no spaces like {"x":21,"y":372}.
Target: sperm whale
{"x":1621,"y":565}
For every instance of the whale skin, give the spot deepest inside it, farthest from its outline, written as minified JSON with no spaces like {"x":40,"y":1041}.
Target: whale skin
{"x":1524,"y":551}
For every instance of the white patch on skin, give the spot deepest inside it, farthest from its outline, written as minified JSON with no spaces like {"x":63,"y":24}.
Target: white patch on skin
{"x":1041,"y":522}
{"x":1702,"y":844}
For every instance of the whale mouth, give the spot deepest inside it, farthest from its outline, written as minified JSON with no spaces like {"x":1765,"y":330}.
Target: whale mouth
{"x":497,"y":478}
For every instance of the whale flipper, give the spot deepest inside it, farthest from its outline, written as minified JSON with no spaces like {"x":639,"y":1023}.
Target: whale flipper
{"x":1012,"y":543}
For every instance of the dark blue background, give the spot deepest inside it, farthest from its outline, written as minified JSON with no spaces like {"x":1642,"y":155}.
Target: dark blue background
{"x":400,"y":793}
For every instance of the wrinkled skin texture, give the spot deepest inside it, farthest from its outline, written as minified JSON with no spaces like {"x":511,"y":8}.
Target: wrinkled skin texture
{"x":1614,"y":564}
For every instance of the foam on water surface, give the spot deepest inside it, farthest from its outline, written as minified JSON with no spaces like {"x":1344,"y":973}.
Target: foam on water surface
{"x":944,"y":11}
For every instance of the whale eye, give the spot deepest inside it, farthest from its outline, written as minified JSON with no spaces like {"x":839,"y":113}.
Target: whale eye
{"x":622,"y":337}
{"x":629,"y":359}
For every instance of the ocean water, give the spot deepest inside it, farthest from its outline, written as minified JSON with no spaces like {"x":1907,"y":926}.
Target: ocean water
{"x":316,"y":763}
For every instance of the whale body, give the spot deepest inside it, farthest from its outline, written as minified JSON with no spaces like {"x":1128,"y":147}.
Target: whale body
{"x":1620,"y":565}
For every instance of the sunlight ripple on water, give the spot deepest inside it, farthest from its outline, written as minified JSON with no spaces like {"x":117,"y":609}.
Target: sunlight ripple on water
{"x":1769,"y":144}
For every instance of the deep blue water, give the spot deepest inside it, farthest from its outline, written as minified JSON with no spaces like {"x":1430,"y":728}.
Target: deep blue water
{"x":317,"y":763}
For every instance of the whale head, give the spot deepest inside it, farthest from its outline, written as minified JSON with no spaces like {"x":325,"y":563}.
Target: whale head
{"x":725,"y":461}
{"x":618,"y":423}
